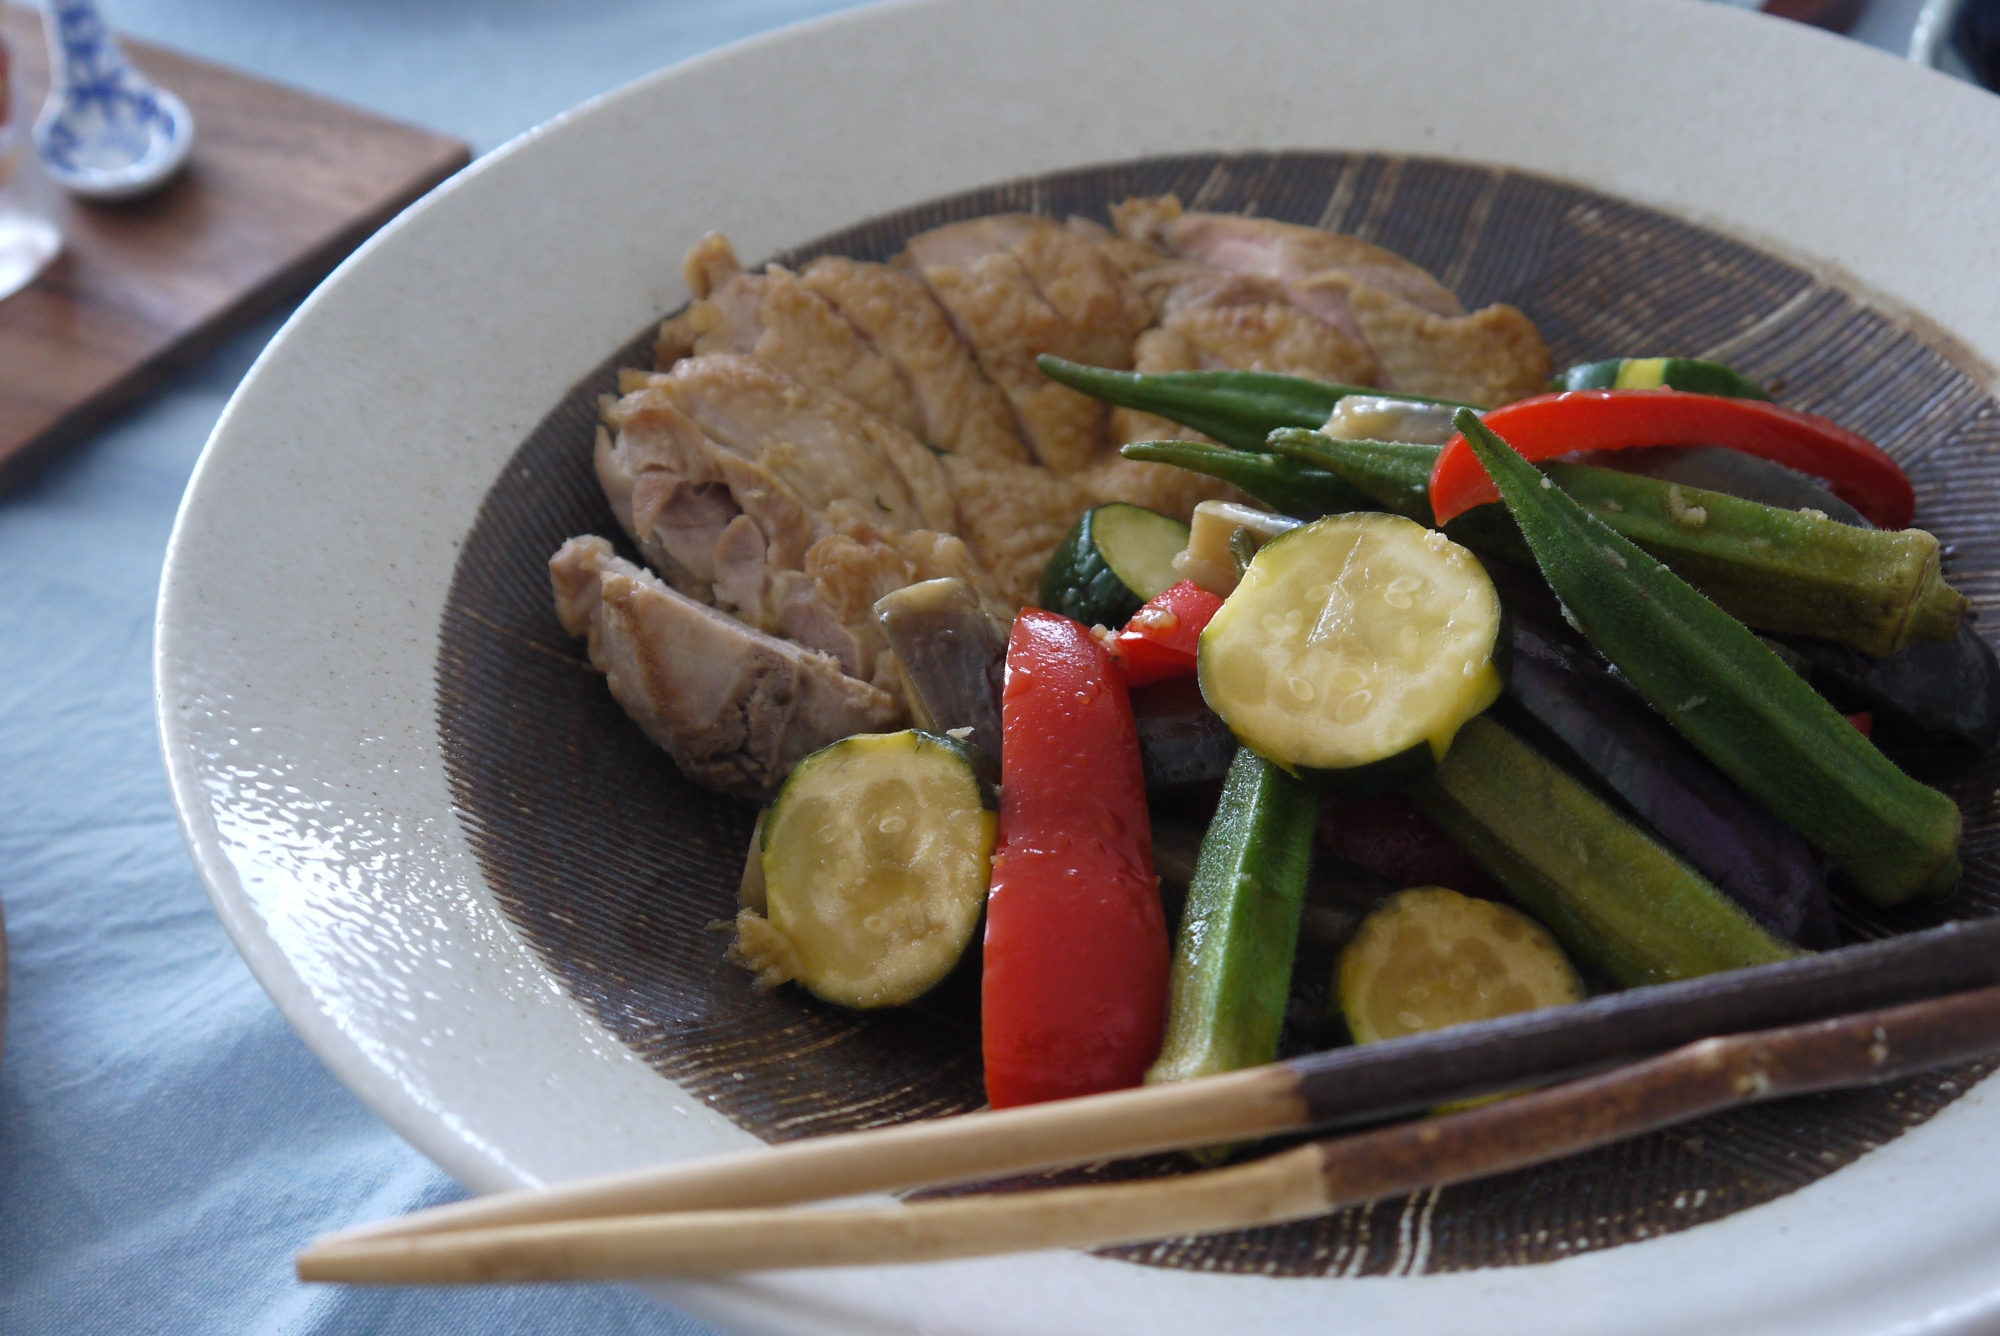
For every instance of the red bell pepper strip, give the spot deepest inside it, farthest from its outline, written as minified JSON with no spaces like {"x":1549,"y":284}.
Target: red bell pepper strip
{"x":1160,"y":640}
{"x":1075,"y":986}
{"x":1855,"y":468}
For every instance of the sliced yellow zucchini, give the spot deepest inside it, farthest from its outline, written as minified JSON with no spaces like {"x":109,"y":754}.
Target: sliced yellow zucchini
{"x":1353,"y":649}
{"x":876,"y":857}
{"x":1429,"y":958}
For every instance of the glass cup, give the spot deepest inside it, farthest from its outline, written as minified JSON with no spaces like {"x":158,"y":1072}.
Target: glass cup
{"x":29,"y":239}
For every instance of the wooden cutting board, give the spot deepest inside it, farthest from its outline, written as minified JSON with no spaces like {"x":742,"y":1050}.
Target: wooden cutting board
{"x":280,"y":187}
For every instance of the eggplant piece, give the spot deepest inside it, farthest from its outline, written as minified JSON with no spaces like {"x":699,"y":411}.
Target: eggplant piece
{"x":1181,"y":740}
{"x":1757,"y":860}
{"x":953,"y":654}
{"x":1715,"y":469}
{"x":1943,"y":689}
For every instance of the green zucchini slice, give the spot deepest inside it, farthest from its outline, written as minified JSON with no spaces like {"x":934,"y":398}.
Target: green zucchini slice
{"x":1430,"y":957}
{"x":1653,"y":373}
{"x":1116,"y":558}
{"x":1353,"y":650}
{"x":876,"y":857}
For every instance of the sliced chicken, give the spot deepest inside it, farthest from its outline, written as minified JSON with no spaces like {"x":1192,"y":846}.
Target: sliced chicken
{"x":842,"y":462}
{"x":1291,"y":254}
{"x":1012,"y":516}
{"x":678,"y":494}
{"x":735,"y":708}
{"x":1016,"y":287}
{"x":725,"y":531}
{"x":960,"y":411}
{"x":1491,"y":357}
{"x":776,"y":318}
{"x":1424,"y":341}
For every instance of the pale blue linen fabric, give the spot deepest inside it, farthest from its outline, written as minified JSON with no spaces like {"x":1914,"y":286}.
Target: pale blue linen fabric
{"x":165,"y":1141}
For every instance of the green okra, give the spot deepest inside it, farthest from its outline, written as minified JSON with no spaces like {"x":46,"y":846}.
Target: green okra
{"x":1777,"y":570}
{"x":1729,"y":695}
{"x":1616,"y":898}
{"x":1233,"y":956}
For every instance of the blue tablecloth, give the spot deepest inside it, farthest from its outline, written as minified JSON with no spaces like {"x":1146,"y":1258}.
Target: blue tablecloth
{"x":165,"y":1141}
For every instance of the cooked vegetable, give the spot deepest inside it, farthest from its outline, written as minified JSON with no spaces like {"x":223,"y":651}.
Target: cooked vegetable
{"x":1730,"y":696}
{"x":1238,"y":408}
{"x":1354,"y":649}
{"x":1075,"y":988}
{"x":1752,"y":857}
{"x":1780,"y":570}
{"x":1161,"y":639}
{"x":1947,"y":689}
{"x":874,"y":861}
{"x":1233,"y":959}
{"x":1369,"y":418}
{"x":1618,"y":902}
{"x":1283,"y":484}
{"x":1431,"y":957}
{"x":1216,"y":558}
{"x":953,"y":654}
{"x":1657,"y":373}
{"x":1777,"y":570}
{"x":1855,"y":468}
{"x":1115,"y":558}
{"x":1717,"y":470}
{"x":1388,"y":835}
{"x":1181,"y":740}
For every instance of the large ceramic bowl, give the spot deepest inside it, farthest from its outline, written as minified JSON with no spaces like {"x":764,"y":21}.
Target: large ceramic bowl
{"x":483,"y":900}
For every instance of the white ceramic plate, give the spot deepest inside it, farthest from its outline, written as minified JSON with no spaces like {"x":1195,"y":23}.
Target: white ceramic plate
{"x":301,"y":602}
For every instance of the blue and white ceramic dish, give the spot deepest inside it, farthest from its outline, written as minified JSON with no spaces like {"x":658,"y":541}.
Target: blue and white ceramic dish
{"x":106,"y":131}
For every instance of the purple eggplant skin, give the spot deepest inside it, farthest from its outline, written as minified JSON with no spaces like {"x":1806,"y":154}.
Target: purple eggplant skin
{"x":1944,"y":690}
{"x":1181,"y":740}
{"x":1759,"y":862}
{"x":953,"y":654}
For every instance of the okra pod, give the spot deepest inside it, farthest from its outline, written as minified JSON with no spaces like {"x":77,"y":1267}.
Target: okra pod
{"x":1776,"y":570}
{"x":1233,"y":958}
{"x":1283,"y":484}
{"x":1618,"y":901}
{"x":1729,"y":695}
{"x":1238,"y":408}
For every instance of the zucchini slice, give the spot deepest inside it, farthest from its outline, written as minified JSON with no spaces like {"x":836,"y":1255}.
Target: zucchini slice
{"x":1353,"y":650}
{"x":876,"y":857}
{"x":1430,"y":957}
{"x":1116,"y":558}
{"x":1653,"y":373}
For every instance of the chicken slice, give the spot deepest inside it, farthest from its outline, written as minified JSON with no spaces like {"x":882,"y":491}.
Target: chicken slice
{"x":780,"y":320}
{"x":1016,"y":287}
{"x":1290,"y":253}
{"x":842,"y":462}
{"x":960,"y":411}
{"x":1423,"y":339}
{"x":1011,"y":517}
{"x":1488,"y":358}
{"x":735,"y":708}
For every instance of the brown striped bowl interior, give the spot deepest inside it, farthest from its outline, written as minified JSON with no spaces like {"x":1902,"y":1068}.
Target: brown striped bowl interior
{"x":617,"y":870}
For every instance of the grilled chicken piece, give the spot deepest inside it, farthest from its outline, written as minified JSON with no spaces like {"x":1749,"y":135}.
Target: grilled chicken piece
{"x":781,"y":321}
{"x":843,"y":463}
{"x":961,"y":412}
{"x":724,"y":530}
{"x":1016,"y":287}
{"x":735,"y":708}
{"x":1423,"y":339}
{"x":1012,"y":516}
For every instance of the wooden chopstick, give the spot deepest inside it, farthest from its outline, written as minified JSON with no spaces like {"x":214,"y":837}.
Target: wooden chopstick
{"x":1320,"y":1090}
{"x":1689,"y":1082}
